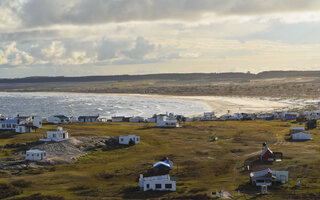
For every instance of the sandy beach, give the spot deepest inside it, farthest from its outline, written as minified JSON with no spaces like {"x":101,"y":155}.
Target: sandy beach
{"x":221,"y":104}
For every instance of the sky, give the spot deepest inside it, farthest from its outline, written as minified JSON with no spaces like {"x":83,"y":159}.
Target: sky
{"x":110,"y":37}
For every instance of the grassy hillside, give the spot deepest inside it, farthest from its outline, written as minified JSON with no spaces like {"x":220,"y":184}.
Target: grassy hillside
{"x":300,"y":84}
{"x":200,"y":165}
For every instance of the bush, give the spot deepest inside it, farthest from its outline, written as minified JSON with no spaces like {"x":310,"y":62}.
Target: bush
{"x":7,"y":190}
{"x":21,"y":183}
{"x":39,"y":196}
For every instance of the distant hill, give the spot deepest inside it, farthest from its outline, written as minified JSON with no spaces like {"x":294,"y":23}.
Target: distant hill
{"x":176,"y":77}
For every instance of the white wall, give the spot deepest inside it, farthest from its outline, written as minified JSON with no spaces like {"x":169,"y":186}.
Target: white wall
{"x":301,"y":136}
{"x":38,"y":155}
{"x":126,"y":139}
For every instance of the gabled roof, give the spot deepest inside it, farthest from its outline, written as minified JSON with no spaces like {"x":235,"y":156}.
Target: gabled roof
{"x":265,"y":151}
{"x":61,"y":116}
{"x":96,"y":116}
{"x":35,"y":151}
{"x":161,"y":163}
{"x":260,"y":173}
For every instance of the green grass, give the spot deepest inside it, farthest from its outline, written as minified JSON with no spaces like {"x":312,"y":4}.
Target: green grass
{"x":201,"y":165}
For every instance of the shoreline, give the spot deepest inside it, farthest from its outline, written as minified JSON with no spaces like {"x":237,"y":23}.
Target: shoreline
{"x":219,"y":104}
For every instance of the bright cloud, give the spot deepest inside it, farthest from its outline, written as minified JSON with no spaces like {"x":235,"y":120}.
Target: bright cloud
{"x":82,"y":37}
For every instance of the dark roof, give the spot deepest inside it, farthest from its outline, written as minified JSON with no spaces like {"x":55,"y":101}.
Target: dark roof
{"x":61,"y":116}
{"x":88,"y":116}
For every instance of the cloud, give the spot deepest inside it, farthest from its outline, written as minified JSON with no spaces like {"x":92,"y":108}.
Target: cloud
{"x":141,"y":49}
{"x":48,"y":12}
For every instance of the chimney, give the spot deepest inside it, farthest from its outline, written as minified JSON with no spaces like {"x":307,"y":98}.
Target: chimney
{"x":264,"y":146}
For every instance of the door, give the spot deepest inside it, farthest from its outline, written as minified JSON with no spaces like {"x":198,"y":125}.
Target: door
{"x":41,"y":156}
{"x":64,"y":135}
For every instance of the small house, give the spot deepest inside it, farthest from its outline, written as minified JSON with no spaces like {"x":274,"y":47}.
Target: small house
{"x":88,"y":118}
{"x":291,"y":115}
{"x":36,"y":154}
{"x":296,"y":129}
{"x":208,"y":116}
{"x":56,"y":135}
{"x":165,"y":120}
{"x":58,"y":119}
{"x":9,"y":124}
{"x":157,"y":183}
{"x":129,"y":139}
{"x":267,"y":176}
{"x":23,"y":128}
{"x":268,"y":155}
{"x":136,"y":119}
{"x":118,"y":119}
{"x":301,"y":136}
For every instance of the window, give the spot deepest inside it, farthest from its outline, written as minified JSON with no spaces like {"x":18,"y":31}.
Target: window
{"x":3,"y":125}
{"x":13,"y":125}
{"x":148,"y":186}
{"x":158,"y":186}
{"x":137,"y":139}
{"x":38,"y":155}
{"x":121,"y":139}
{"x":168,"y":186}
{"x":28,"y":155}
{"x":44,"y":154}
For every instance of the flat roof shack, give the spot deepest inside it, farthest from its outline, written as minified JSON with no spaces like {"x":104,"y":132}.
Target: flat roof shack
{"x":157,"y":183}
{"x":35,"y":155}
{"x":296,"y":129}
{"x":267,"y":177}
{"x":56,"y":135}
{"x":129,"y":139}
{"x":88,"y":118}
{"x":301,"y":136}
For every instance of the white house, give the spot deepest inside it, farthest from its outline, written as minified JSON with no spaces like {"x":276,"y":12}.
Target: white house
{"x":208,"y":116}
{"x":267,"y":176}
{"x":56,"y":135}
{"x":164,"y":120}
{"x":129,"y":139}
{"x":301,"y":136}
{"x":158,"y":183}
{"x":296,"y":129}
{"x":9,"y":124}
{"x":58,"y":119}
{"x":136,"y":119}
{"x":36,"y":154}
{"x":23,"y":129}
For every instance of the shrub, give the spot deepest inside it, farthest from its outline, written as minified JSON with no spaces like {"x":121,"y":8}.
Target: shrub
{"x":21,"y":183}
{"x":39,"y":196}
{"x":7,"y":190}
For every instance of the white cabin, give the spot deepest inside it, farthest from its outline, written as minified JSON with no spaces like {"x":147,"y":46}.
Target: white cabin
{"x":168,"y":121}
{"x":57,"y":135}
{"x":129,"y":139}
{"x":36,"y":154}
{"x":23,"y":129}
{"x":158,"y":183}
{"x":208,"y":116}
{"x":301,"y":136}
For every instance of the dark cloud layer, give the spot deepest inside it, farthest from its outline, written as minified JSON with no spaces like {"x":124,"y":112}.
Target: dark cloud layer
{"x":48,"y":12}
